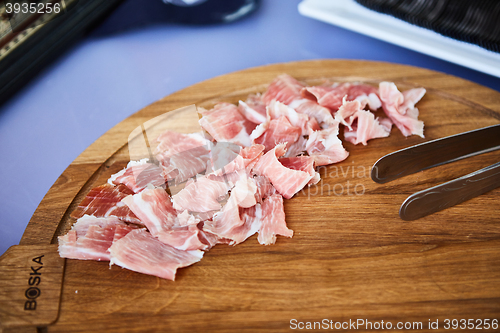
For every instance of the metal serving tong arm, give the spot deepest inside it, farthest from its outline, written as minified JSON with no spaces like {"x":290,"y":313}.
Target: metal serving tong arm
{"x":435,"y":153}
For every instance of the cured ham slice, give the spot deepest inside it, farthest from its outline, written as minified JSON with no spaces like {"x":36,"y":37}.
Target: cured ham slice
{"x":390,"y":96}
{"x":367,"y":128}
{"x":141,"y":252}
{"x":312,"y":125}
{"x":184,"y":238}
{"x":254,"y":109}
{"x":105,"y":201}
{"x":171,"y":143}
{"x":273,"y":221}
{"x":371,"y":100}
{"x":325,"y":147}
{"x":154,"y":208}
{"x":302,"y":163}
{"x":315,"y":111}
{"x":252,"y":219}
{"x":327,"y":96}
{"x":184,"y":165}
{"x":122,"y":230}
{"x":200,"y":196}
{"x":224,"y":158}
{"x":225,"y":221}
{"x":226,"y":124}
{"x":252,"y":154}
{"x":332,"y":96}
{"x":182,"y":156}
{"x":137,"y":175}
{"x":235,"y":224}
{"x":186,"y":219}
{"x":264,"y":188}
{"x":279,"y":131}
{"x":244,"y":191}
{"x":411,"y":97}
{"x":284,"y":88}
{"x":230,"y":223}
{"x":209,"y":239}
{"x":347,"y":111}
{"x":365,"y":94}
{"x":297,"y":147}
{"x":286,"y":181}
{"x":276,"y":110}
{"x":91,"y":237}
{"x":403,"y":114}
{"x":245,"y":159}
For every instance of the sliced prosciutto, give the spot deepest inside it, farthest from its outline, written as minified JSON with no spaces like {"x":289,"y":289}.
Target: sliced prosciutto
{"x":367,"y":128}
{"x":252,"y":220}
{"x":187,"y":238}
{"x":226,"y":124}
{"x":234,"y":223}
{"x":273,"y":221}
{"x":286,"y":181}
{"x":276,"y":110}
{"x":234,"y":175}
{"x":347,"y":112}
{"x":243,"y":192}
{"x":299,"y":146}
{"x":137,"y":175}
{"x":411,"y":97}
{"x":254,"y":109}
{"x":105,"y":201}
{"x":154,"y":208}
{"x":371,"y":100}
{"x":332,"y":96}
{"x":367,"y":95}
{"x":302,"y":163}
{"x":223,"y":158}
{"x":264,"y":188}
{"x":182,"y":156}
{"x":327,"y":96}
{"x":325,"y":147}
{"x":226,"y":161}
{"x":402,"y":113}
{"x":141,"y":252}
{"x":284,"y":88}
{"x":91,"y":237}
{"x":202,"y":195}
{"x":171,"y":143}
{"x":279,"y":131}
{"x":315,"y":111}
{"x":230,"y":223}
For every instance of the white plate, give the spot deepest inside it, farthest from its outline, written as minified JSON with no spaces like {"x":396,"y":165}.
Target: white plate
{"x":350,"y":15}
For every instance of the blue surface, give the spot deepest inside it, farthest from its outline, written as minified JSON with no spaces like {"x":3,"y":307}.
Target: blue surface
{"x":134,"y":59}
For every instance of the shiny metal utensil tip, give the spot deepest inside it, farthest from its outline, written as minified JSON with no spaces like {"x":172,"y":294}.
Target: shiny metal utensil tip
{"x":435,"y":153}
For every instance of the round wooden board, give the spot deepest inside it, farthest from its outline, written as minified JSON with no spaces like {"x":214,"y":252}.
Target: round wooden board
{"x":351,"y":256}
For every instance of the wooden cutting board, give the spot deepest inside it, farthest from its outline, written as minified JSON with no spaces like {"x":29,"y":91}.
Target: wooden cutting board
{"x":351,"y":258}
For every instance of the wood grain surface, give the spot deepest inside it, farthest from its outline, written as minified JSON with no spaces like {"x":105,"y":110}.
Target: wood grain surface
{"x":351,"y":256}
{"x":30,"y":285}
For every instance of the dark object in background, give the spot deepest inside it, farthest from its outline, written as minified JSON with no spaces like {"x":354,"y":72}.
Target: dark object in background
{"x":31,"y":46}
{"x":209,"y":11}
{"x":476,"y":22}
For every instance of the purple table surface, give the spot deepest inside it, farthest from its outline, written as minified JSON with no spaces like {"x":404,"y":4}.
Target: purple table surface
{"x":133,"y":59}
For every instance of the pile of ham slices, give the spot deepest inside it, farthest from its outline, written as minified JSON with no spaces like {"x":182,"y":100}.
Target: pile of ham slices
{"x":235,"y":175}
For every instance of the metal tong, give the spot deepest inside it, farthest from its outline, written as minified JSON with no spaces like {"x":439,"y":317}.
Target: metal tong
{"x":435,"y":153}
